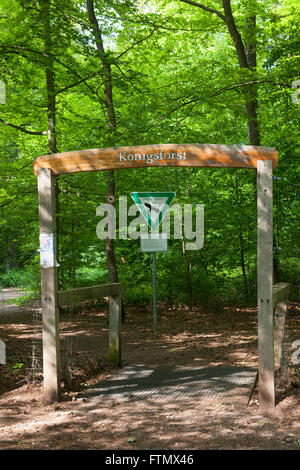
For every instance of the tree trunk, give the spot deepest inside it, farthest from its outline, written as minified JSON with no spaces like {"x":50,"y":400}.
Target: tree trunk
{"x":50,"y":79}
{"x":246,"y":55}
{"x":109,"y":242}
{"x":276,"y":264}
{"x":252,"y":92}
{"x":186,"y":261}
{"x":241,"y":239}
{"x":111,"y":123}
{"x":242,"y":258}
{"x":11,"y":256}
{"x":51,"y":103}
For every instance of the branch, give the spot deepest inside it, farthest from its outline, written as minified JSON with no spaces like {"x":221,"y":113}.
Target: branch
{"x":235,"y":35}
{"x":251,"y":82}
{"x":108,"y":90}
{"x":76,"y":83}
{"x":195,"y":101}
{"x":200,"y":5}
{"x":22,"y":129}
{"x":42,"y":106}
{"x":20,"y":49}
{"x":136,"y":43}
{"x":231,"y":26}
{"x":23,"y":166}
{"x":25,"y":49}
{"x":142,"y":92}
{"x":155,"y":27}
{"x":75,"y":190}
{"x":15,"y":197}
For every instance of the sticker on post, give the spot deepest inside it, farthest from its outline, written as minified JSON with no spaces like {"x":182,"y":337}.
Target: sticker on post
{"x":47,"y":250}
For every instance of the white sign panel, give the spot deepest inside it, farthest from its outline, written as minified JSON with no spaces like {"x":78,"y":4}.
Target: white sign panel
{"x":2,"y":93}
{"x":2,"y":352}
{"x":154,"y":244}
{"x":47,"y":250}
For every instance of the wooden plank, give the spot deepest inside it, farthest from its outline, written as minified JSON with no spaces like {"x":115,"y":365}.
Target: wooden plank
{"x":72,"y":296}
{"x":114,"y":354}
{"x":280,"y":292}
{"x":280,"y":302}
{"x":255,"y":382}
{"x":50,"y":315}
{"x":265,"y":284}
{"x":163,"y":155}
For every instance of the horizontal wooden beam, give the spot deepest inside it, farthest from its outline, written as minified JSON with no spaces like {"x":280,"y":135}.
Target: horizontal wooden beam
{"x":163,"y":155}
{"x":72,"y":296}
{"x":280,"y":292}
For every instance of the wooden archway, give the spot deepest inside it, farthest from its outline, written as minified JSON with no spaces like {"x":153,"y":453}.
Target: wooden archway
{"x":165,"y":155}
{"x":261,"y":159}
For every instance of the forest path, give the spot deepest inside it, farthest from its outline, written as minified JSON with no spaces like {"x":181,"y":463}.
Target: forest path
{"x":190,"y":341}
{"x":9,"y":293}
{"x":165,"y":383}
{"x":7,"y":297}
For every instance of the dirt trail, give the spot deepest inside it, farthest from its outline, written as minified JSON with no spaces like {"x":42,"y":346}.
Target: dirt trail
{"x":187,"y":337}
{"x":7,"y":297}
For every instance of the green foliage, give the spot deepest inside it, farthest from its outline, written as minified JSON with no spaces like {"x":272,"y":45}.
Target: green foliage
{"x":16,"y":369}
{"x":175,"y":78}
{"x":27,"y":278}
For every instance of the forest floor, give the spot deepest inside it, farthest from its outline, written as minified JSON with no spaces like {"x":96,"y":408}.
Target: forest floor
{"x":187,"y":337}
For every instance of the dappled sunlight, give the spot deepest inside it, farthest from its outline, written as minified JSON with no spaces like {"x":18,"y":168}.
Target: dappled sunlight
{"x":109,"y":424}
{"x":199,"y":341}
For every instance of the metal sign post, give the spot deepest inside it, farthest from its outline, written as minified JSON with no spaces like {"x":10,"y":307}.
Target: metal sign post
{"x":153,"y":206}
{"x":2,"y":298}
{"x":157,"y":242}
{"x":154,"y":295}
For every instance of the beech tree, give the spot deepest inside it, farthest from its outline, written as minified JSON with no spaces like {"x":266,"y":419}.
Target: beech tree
{"x":87,"y":73}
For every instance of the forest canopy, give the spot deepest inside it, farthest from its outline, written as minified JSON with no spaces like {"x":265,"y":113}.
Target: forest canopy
{"x":84,"y":74}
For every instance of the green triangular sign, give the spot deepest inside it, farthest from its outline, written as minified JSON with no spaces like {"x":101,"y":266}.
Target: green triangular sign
{"x":153,"y":206}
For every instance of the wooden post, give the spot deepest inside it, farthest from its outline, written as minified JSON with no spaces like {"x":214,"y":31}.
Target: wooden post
{"x":280,"y":303}
{"x":51,"y":349}
{"x":114,"y":354}
{"x":279,"y":325}
{"x":265,"y":284}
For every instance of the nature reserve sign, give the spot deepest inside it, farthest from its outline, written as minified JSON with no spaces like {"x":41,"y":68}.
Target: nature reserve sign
{"x":153,"y":206}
